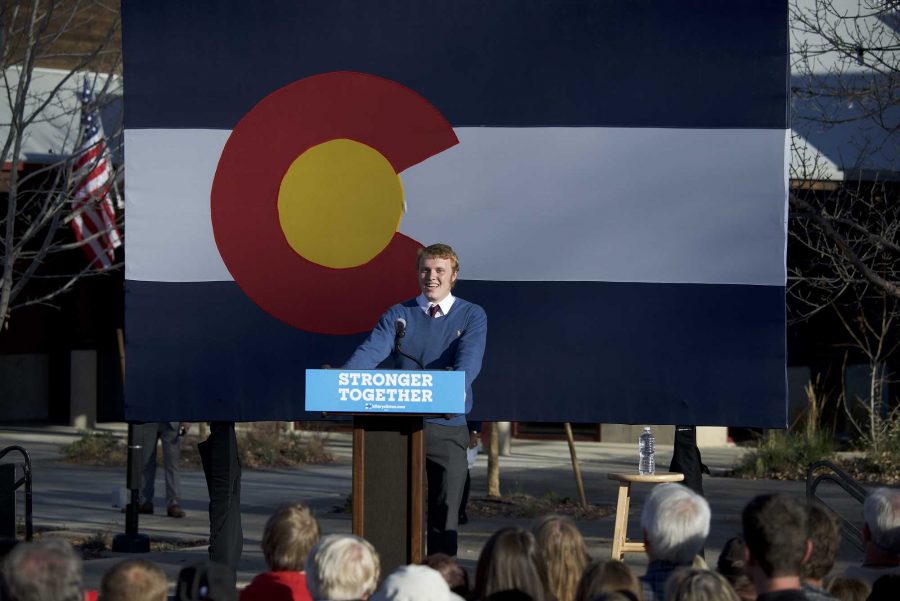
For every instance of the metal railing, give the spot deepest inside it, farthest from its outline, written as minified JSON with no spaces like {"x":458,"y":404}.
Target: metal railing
{"x":26,"y":480}
{"x":829,"y":472}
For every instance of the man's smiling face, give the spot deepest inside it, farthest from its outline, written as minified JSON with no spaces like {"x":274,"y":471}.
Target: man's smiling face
{"x":436,"y":277}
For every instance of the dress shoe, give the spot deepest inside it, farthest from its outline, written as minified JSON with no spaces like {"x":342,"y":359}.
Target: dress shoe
{"x":175,"y":511}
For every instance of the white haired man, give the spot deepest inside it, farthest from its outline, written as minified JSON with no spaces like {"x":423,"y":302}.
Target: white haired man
{"x":47,"y":570}
{"x":881,"y":536}
{"x":675,"y":521}
{"x":342,"y":567}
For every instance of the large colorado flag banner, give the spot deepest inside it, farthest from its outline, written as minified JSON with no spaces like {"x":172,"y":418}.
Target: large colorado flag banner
{"x":611,"y":172}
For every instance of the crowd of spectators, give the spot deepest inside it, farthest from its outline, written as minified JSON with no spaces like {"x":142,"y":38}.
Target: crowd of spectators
{"x":786,"y":552}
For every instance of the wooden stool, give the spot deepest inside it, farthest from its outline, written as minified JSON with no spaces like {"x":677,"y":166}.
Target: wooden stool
{"x":621,"y":546}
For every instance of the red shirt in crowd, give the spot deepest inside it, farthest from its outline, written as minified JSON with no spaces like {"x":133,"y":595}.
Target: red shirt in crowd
{"x":277,"y":586}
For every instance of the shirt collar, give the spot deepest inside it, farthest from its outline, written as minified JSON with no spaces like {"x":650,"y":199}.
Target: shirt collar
{"x":445,"y":304}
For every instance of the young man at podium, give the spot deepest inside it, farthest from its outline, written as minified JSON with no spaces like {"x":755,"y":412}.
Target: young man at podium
{"x":437,"y":331}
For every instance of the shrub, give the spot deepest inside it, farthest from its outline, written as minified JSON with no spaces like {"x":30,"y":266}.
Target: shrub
{"x":96,"y":447}
{"x":267,"y":444}
{"x":261,"y":444}
{"x":784,"y":455}
{"x":882,"y":465}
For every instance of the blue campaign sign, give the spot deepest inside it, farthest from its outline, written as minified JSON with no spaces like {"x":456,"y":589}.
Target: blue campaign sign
{"x":385,"y":391}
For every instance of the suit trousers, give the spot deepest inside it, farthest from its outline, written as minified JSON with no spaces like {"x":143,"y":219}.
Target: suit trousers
{"x":167,"y":432}
{"x":445,"y":469}
{"x":686,"y":458}
{"x":222,"y":467}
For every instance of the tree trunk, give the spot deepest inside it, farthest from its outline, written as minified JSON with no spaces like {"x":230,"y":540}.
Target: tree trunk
{"x":570,"y":438}
{"x":493,"y":475}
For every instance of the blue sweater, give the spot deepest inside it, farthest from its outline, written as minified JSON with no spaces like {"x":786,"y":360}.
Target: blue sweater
{"x":455,"y":340}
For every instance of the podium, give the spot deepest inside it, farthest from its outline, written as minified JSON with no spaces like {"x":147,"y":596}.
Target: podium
{"x":388,"y":486}
{"x":389,"y":408}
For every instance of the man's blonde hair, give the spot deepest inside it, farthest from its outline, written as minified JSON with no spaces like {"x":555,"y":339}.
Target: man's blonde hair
{"x":438,"y":251}
{"x":289,"y":535}
{"x":134,"y":580}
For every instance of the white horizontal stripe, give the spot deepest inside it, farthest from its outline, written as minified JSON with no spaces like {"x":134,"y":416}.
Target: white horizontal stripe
{"x":554,"y":204}
{"x":168,"y":177}
{"x":611,"y":204}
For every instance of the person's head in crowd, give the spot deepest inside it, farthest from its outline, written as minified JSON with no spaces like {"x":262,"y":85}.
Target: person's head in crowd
{"x":134,"y":580}
{"x":886,"y":588}
{"x":342,"y":567}
{"x":675,"y":521}
{"x":563,"y":552}
{"x":776,"y":531}
{"x":415,"y":583}
{"x":848,"y":589}
{"x":606,"y":576}
{"x":457,"y":578}
{"x":692,"y":584}
{"x":881,"y":531}
{"x":206,"y":581}
{"x":510,"y":595}
{"x":616,"y":596}
{"x":732,"y":565}
{"x":509,"y":561}
{"x":47,"y":570}
{"x":825,"y":535}
{"x":289,"y":535}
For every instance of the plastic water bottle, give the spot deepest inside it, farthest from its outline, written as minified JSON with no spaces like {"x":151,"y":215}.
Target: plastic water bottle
{"x":647,"y":448}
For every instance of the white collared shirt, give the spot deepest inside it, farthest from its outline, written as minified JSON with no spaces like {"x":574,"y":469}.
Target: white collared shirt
{"x":445,"y":304}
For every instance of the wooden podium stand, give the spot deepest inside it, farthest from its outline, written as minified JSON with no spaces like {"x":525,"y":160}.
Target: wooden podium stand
{"x":388,"y":486}
{"x":389,"y":408}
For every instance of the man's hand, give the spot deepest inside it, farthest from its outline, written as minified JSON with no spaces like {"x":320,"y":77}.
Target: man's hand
{"x":184,"y":428}
{"x":473,"y":439}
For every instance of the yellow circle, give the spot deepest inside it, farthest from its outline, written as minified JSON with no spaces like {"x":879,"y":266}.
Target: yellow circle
{"x":340,"y":203}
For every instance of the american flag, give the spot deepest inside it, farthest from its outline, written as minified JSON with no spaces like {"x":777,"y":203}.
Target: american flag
{"x":93,"y":214}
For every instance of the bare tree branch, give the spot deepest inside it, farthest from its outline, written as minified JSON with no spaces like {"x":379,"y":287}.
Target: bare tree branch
{"x":844,"y":221}
{"x":39,"y":202}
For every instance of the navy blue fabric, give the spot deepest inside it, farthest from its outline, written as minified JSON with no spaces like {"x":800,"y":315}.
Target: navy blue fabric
{"x":516,"y":63}
{"x":562,"y":351}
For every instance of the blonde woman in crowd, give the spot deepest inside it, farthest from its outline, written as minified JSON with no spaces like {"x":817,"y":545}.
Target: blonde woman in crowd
{"x":563,"y":552}
{"x":692,"y":584}
{"x":510,"y":561}
{"x":607,"y":576}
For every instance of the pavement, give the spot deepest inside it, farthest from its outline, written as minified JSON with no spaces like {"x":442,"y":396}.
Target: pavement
{"x":74,"y":500}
